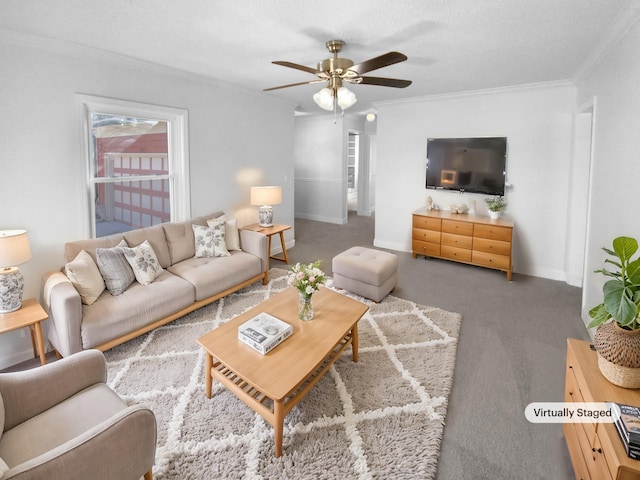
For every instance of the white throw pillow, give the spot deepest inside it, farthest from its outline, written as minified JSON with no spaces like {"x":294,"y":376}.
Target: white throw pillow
{"x":84,"y":275}
{"x":210,"y":241}
{"x":144,"y":262}
{"x":232,"y":236}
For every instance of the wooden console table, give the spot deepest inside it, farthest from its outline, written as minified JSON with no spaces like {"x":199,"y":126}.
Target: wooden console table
{"x":596,"y":449}
{"x":463,"y":238}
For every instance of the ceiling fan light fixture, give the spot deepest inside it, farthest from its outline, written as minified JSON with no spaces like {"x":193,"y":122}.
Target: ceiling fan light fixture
{"x":324,"y":99}
{"x":346,"y":98}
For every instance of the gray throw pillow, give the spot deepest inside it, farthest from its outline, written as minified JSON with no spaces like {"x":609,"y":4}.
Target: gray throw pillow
{"x":115,"y":268}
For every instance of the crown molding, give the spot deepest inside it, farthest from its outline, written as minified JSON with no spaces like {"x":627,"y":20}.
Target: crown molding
{"x":76,"y":50}
{"x":525,"y":87}
{"x":624,"y":21}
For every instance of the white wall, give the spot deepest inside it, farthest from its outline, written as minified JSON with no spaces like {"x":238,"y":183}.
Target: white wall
{"x":236,"y":139}
{"x":615,"y":173}
{"x":538,"y":123}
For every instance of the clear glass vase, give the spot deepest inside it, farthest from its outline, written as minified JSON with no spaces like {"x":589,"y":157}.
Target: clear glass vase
{"x":305,"y":307}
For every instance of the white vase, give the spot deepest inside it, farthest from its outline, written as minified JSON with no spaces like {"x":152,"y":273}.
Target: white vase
{"x":494,"y":214}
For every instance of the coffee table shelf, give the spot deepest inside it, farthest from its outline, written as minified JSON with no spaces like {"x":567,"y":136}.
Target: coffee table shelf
{"x":260,"y":402}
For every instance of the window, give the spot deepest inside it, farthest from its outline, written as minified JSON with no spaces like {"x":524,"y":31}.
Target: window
{"x":137,"y":165}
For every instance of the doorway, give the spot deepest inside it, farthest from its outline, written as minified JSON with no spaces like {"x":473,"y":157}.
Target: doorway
{"x":353,"y":163}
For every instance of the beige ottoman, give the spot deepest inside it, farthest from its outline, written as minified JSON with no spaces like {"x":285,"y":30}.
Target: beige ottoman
{"x":366,"y":272}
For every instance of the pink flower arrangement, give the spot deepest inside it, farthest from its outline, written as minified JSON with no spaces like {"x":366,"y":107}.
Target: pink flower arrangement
{"x":306,"y":278}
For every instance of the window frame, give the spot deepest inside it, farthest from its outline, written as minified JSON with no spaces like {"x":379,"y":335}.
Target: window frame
{"x":178,"y":152}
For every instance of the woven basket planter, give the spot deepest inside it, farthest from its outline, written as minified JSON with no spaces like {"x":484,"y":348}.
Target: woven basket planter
{"x":618,"y":354}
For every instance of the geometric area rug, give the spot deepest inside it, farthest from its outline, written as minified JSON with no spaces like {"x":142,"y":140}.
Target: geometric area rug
{"x":380,"y":418}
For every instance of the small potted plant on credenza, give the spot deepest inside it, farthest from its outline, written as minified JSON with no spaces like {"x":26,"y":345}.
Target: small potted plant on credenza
{"x":495,"y":205}
{"x":617,"y":338}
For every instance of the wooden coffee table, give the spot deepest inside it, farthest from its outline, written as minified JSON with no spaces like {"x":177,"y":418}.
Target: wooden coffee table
{"x":274,"y":383}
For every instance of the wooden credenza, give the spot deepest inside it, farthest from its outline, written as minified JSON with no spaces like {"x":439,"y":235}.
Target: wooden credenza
{"x":595,"y":448}
{"x":463,"y":238}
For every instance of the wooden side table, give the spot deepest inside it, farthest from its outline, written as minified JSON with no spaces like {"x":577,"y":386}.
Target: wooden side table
{"x":270,"y":232}
{"x":30,"y":315}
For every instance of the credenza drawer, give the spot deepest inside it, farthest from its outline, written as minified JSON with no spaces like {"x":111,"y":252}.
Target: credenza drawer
{"x":460,"y":241}
{"x":419,"y":247}
{"x":491,"y":246}
{"x":428,"y":223}
{"x":573,"y":445}
{"x":596,"y":460}
{"x":491,"y":260}
{"x":492,"y":231}
{"x":426,"y":235}
{"x":460,"y":228}
{"x":455,"y":253}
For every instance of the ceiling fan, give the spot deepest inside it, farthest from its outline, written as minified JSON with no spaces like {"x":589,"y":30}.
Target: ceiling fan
{"x":334,"y":71}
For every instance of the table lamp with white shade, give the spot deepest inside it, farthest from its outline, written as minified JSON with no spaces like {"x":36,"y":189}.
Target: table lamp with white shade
{"x":266,"y":197}
{"x":14,"y":250}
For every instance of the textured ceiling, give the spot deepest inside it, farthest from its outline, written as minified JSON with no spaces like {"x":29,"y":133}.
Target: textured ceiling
{"x":452,"y":45}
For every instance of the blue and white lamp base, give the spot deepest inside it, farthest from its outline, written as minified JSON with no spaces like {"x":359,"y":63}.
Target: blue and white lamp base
{"x":265,"y":216}
{"x":11,"y":289}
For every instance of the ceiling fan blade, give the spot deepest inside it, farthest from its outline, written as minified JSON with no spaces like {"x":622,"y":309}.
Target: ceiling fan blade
{"x":297,"y":67}
{"x":293,"y":85}
{"x":378,"y":62}
{"x":385,"y":82}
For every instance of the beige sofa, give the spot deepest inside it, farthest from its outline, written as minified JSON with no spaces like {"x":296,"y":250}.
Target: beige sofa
{"x":184,"y":283}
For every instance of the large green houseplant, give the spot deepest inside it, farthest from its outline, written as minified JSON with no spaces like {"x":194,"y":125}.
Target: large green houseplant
{"x":621,"y":293}
{"x":617,"y":339}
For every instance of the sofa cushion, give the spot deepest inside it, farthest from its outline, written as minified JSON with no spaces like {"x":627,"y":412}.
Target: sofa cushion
{"x":138,"y":306}
{"x":157,"y":240}
{"x":62,"y":423}
{"x":180,"y":240}
{"x":85,"y":277}
{"x":72,"y":249}
{"x":144,"y":262}
{"x":115,"y":268}
{"x":210,"y":276}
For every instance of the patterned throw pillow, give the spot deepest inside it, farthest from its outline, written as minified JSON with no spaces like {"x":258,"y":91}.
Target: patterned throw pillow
{"x":209,"y":241}
{"x":232,"y":236}
{"x":144,"y":262}
{"x":115,"y":269}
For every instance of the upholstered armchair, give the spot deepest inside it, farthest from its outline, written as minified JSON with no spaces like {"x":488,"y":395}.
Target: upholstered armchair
{"x":61,"y":421}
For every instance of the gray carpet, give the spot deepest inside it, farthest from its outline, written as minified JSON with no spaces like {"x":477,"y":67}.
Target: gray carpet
{"x":511,"y":351}
{"x":382,"y":417}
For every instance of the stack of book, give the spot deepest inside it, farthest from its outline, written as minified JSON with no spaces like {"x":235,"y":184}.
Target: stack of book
{"x":264,"y":332}
{"x":628,"y":426}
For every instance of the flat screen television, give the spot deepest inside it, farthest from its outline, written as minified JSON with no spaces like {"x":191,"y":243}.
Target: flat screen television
{"x":475,"y":165}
